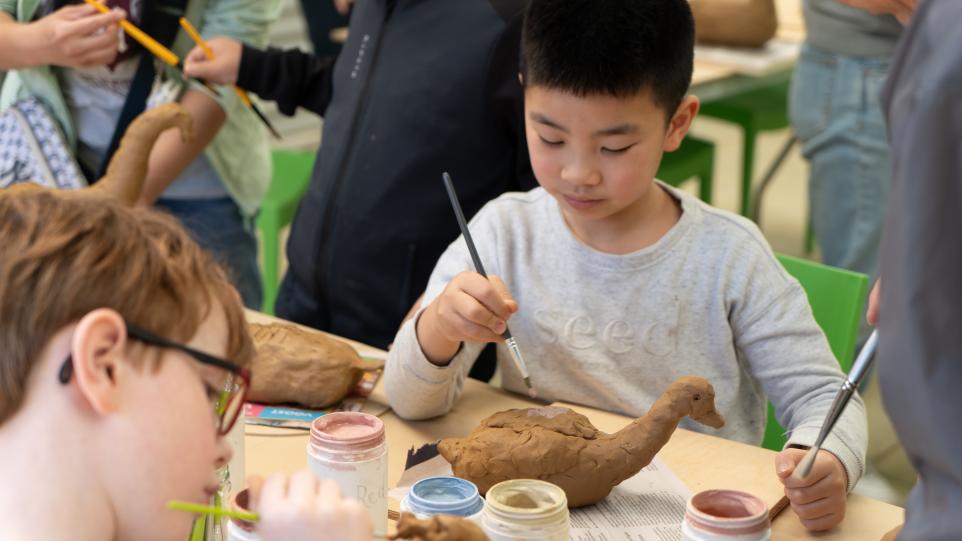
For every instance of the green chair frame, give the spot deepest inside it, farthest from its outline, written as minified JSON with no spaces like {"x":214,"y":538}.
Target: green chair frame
{"x":695,"y":158}
{"x":290,"y":178}
{"x":755,"y":111}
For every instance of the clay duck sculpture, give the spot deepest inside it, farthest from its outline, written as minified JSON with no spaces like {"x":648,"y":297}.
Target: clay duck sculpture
{"x":562,"y":447}
{"x":309,"y":368}
{"x":127,"y":170}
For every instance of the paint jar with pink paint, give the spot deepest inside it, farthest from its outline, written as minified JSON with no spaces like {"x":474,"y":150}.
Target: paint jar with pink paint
{"x":726,"y":515}
{"x":350,"y":448}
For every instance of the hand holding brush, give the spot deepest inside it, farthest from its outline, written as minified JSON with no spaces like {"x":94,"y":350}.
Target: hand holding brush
{"x":816,"y":482}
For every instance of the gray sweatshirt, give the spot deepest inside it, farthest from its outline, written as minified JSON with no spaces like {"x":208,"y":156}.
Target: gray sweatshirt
{"x":920,"y":346}
{"x":613,"y":331}
{"x":842,"y":29}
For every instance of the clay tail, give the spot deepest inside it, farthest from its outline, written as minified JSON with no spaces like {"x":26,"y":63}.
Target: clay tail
{"x":127,"y":170}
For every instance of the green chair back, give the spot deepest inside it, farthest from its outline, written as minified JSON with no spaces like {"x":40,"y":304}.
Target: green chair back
{"x":837,"y":297}
{"x":755,"y":111}
{"x":291,"y":175}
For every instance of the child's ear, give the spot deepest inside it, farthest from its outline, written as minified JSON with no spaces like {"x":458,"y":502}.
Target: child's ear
{"x":98,"y":349}
{"x":680,"y":122}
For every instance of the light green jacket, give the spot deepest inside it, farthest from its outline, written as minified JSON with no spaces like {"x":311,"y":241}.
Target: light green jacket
{"x":241,"y":151}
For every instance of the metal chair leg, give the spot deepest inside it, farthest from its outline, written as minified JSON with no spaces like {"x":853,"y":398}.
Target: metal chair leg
{"x":756,"y":214}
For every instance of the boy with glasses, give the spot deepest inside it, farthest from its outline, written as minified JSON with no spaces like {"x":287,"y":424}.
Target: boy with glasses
{"x":118,"y":339}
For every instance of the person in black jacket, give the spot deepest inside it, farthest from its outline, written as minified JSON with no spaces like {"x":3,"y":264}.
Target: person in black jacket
{"x":420,"y":87}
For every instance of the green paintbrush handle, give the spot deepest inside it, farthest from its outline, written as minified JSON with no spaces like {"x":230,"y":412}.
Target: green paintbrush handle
{"x":211,"y":510}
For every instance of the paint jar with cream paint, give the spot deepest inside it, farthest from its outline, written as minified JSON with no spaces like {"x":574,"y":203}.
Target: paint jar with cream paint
{"x":350,"y":448}
{"x":526,"y":509}
{"x":725,"y":515}
{"x":444,"y":496}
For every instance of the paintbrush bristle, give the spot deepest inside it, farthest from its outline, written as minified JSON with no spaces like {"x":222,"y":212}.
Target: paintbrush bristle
{"x":805,"y":466}
{"x":531,"y":390}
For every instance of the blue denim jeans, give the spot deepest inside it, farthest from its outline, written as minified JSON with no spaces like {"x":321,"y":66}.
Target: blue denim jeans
{"x":220,"y":228}
{"x":835,"y":111}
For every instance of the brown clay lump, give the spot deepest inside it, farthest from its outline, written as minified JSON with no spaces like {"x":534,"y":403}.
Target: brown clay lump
{"x":563,"y":447}
{"x":736,"y":23}
{"x":438,"y":528}
{"x":303,"y":367}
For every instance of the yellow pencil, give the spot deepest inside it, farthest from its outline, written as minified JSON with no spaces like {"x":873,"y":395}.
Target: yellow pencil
{"x":195,"y":35}
{"x":241,"y":93}
{"x":148,"y":42}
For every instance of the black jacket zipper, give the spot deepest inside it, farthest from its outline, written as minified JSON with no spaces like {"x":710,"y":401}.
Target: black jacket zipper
{"x":321,"y":270}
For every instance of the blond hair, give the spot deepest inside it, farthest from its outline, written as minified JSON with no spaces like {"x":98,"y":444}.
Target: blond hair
{"x":61,"y":258}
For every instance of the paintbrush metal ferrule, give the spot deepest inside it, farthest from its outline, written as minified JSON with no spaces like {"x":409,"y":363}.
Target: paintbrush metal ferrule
{"x":519,"y":362}
{"x":845,"y":393}
{"x":518,"y":359}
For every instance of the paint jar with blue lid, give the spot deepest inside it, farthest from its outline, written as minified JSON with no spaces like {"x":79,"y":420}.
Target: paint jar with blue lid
{"x":444,"y":496}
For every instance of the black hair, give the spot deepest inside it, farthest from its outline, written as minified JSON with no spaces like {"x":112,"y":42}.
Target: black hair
{"x":610,"y":47}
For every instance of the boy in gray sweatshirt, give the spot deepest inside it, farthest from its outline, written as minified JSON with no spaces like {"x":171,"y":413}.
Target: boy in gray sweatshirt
{"x":615,"y":284}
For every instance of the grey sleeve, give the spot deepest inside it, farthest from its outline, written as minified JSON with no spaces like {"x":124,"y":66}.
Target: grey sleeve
{"x":789,"y":356}
{"x":416,"y":387}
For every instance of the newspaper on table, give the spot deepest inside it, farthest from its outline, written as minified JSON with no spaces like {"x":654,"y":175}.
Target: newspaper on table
{"x":649,"y":506}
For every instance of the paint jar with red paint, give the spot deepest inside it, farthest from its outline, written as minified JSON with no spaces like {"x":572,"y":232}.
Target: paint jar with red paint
{"x":349,"y":447}
{"x":726,"y":515}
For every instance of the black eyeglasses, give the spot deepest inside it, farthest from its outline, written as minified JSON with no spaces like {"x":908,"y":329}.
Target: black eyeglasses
{"x":229,"y":404}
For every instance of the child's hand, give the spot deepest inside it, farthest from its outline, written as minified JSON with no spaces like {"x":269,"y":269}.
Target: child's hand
{"x":343,"y":6}
{"x":78,"y":36}
{"x":874,"y":303}
{"x":471,"y":308}
{"x":900,"y":9}
{"x":819,"y":499}
{"x":222,"y":70}
{"x":304,"y":508}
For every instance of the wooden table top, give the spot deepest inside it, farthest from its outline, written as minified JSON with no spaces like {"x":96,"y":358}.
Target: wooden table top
{"x":700,"y":461}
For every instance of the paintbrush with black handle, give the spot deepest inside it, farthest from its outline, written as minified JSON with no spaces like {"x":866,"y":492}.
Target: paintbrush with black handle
{"x":508,"y":339}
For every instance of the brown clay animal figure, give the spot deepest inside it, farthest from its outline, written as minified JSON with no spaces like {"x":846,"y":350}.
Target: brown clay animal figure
{"x":563,"y":447}
{"x":736,"y":23}
{"x":127,"y":170}
{"x":438,"y":528}
{"x":303,"y":367}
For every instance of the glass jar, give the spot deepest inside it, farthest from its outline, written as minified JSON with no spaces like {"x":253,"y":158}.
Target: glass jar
{"x":444,"y":496}
{"x":526,"y":509}
{"x":349,"y":447}
{"x":726,"y":515}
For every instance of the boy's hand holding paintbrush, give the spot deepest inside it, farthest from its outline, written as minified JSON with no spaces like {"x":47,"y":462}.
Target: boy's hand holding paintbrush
{"x":471,"y":308}
{"x":819,"y":498}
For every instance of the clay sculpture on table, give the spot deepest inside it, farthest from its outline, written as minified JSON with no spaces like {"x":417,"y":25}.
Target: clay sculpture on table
{"x":737,"y":23}
{"x":562,"y":447}
{"x":303,"y":367}
{"x":127,"y":170}
{"x":438,"y":528}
